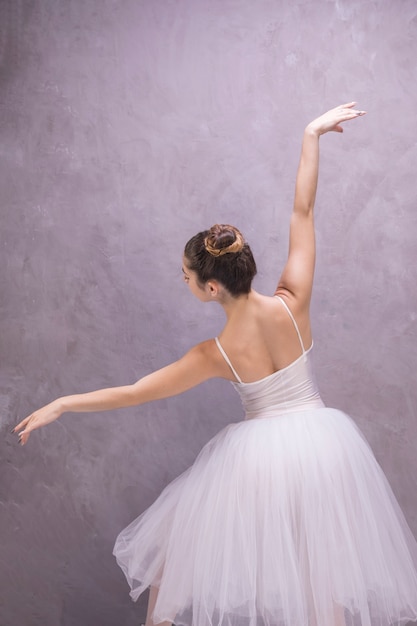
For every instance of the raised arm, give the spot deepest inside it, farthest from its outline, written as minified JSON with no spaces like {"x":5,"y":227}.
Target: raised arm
{"x":296,"y":280}
{"x":198,"y":365}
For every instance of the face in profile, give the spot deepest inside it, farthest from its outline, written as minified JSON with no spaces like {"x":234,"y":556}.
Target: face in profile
{"x":190,"y":278}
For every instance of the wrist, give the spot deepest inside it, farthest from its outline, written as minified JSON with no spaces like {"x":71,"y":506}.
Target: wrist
{"x":312,"y":131}
{"x":59,"y":406}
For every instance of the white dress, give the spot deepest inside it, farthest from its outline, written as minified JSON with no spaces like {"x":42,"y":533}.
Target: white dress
{"x":284,"y":519}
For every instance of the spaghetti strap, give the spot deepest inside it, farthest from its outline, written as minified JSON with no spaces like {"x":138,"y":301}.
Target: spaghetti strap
{"x":226,"y":358}
{"x":293,"y":321}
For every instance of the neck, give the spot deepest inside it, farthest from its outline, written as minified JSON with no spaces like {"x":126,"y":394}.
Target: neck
{"x":234,"y":305}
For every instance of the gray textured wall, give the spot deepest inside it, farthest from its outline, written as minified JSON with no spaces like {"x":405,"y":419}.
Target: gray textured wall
{"x":125,"y":128}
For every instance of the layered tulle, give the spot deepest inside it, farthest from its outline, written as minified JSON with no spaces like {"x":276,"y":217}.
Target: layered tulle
{"x":284,"y":520}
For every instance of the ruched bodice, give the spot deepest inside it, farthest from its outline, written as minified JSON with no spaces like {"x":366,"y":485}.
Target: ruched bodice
{"x":285,"y":391}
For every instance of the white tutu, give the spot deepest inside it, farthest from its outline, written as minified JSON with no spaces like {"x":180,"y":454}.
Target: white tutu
{"x":285,"y":519}
{"x":279,"y":521}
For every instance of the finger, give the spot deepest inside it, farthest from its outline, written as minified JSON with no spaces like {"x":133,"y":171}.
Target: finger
{"x":349,"y":115}
{"x":353,"y":114}
{"x":24,"y":434}
{"x":23,"y":437}
{"x":348,"y":105}
{"x":21,"y":424}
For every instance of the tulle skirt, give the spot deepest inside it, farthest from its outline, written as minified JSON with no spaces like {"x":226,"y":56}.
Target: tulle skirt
{"x":280,"y":521}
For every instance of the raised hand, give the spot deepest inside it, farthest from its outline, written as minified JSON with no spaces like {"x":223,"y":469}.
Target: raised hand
{"x":297,"y":276}
{"x":331,"y":120}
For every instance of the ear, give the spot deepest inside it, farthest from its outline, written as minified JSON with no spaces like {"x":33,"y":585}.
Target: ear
{"x":212,"y":288}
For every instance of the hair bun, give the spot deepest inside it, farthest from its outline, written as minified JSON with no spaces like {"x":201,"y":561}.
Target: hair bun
{"x":223,"y":239}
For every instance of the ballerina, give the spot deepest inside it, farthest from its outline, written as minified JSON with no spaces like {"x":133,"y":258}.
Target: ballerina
{"x":285,"y":518}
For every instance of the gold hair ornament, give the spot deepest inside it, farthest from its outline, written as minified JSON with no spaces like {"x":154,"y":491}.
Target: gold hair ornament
{"x":236,"y":246}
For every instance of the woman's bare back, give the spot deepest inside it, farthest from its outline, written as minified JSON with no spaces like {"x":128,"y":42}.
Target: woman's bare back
{"x":261,"y":337}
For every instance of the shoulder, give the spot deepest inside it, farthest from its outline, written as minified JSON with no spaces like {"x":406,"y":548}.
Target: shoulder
{"x":272,"y":308}
{"x":296,"y":311}
{"x":282,"y":310}
{"x":205,"y":355}
{"x":297,"y":306}
{"x":204,"y":349}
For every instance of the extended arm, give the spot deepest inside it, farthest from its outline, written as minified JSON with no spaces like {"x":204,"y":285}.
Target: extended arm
{"x":198,"y":365}
{"x":296,"y":280}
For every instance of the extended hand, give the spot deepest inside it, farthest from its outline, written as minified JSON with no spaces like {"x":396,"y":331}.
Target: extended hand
{"x":331,"y":120}
{"x":43,"y":416}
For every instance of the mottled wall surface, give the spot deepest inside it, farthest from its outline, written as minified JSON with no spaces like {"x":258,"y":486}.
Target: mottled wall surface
{"x":125,"y":128}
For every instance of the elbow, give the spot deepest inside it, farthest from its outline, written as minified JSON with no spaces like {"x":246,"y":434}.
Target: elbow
{"x":304,"y":211}
{"x":132,"y":395}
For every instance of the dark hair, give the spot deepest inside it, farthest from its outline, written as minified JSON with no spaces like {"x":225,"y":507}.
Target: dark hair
{"x":222,"y":254}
